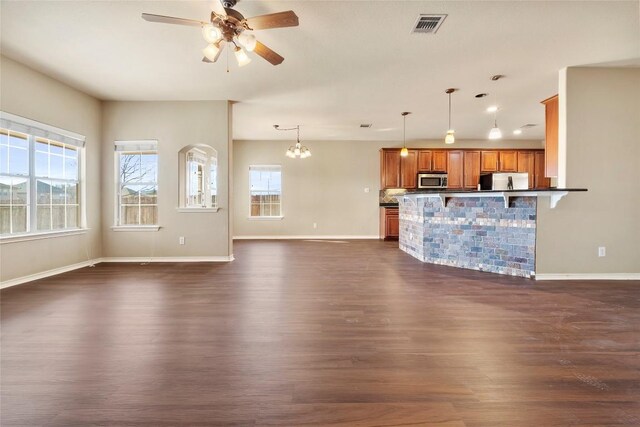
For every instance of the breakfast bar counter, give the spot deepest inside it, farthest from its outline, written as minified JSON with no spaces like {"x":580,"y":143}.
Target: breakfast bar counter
{"x":486,"y":230}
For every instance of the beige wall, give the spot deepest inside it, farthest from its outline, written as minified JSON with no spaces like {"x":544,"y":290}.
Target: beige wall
{"x":174,"y":125}
{"x":327,"y":188}
{"x":602,"y":128}
{"x":33,"y":95}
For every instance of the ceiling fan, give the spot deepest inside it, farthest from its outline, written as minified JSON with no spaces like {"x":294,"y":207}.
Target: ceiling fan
{"x":228,"y":26}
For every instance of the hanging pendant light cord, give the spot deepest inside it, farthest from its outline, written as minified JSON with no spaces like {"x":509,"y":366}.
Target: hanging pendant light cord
{"x":449,"y":111}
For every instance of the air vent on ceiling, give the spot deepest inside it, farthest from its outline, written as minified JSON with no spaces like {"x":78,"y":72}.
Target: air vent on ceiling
{"x":366,"y":125}
{"x":428,"y":24}
{"x":528,"y":125}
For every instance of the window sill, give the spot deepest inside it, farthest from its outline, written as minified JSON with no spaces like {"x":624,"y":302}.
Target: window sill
{"x":42,"y":235}
{"x":192,"y":210}
{"x":135,"y":228}
{"x":265,"y":218}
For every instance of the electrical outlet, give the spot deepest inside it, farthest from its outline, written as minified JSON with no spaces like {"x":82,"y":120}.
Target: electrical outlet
{"x":602,"y":251}
{"x":181,"y":240}
{"x":315,"y":225}
{"x":366,"y":189}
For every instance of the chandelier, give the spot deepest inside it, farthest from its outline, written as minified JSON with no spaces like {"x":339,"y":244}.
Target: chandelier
{"x":297,"y":151}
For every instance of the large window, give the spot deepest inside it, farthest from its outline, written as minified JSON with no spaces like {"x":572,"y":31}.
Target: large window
{"x":266,"y":191}
{"x":39,"y":178}
{"x":202,"y":178}
{"x":137,"y":169}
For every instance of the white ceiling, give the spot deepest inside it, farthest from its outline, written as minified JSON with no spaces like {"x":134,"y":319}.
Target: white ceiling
{"x":349,"y":62}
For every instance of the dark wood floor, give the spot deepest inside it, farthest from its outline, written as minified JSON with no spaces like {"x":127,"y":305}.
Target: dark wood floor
{"x":318,"y":333}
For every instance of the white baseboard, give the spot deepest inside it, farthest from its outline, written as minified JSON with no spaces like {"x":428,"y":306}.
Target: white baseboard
{"x":60,"y":270}
{"x":48,"y":273}
{"x":589,"y":276}
{"x":169,"y":259}
{"x":303,"y":237}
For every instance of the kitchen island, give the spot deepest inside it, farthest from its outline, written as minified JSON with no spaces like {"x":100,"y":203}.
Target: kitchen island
{"x":486,"y":230}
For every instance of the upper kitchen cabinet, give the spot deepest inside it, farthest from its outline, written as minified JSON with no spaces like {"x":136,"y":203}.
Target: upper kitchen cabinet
{"x":409,"y":170}
{"x":508,"y":161}
{"x":389,"y":168}
{"x":439,"y":161}
{"x":489,"y":161}
{"x":471,"y":169}
{"x":526,"y":163}
{"x":551,"y":136}
{"x":424,"y":160}
{"x":455,"y":168}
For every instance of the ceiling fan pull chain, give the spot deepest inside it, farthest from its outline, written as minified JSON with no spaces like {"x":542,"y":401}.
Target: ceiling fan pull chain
{"x":227,"y":60}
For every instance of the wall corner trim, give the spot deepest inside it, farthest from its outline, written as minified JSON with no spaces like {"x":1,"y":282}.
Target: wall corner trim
{"x":589,"y":276}
{"x":93,"y":262}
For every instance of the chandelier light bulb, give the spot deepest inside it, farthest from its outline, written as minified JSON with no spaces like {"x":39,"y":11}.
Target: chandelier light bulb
{"x":211,"y":34}
{"x":247,"y":40}
{"x":211,"y":51}
{"x":242,"y":57}
{"x":404,"y":152}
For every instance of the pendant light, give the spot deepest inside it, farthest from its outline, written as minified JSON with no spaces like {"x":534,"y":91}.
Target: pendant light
{"x":450,"y":138}
{"x":405,"y":151}
{"x":295,"y":151}
{"x":495,"y":132}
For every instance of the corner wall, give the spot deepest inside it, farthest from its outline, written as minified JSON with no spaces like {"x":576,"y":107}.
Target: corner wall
{"x":326,"y":188}
{"x":33,"y":95}
{"x":174,"y":125}
{"x":602,"y":107}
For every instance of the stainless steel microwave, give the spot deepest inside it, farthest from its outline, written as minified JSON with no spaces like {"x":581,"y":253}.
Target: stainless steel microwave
{"x":432,"y":180}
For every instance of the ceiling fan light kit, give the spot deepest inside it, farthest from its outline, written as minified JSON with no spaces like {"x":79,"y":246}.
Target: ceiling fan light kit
{"x":227,"y":25}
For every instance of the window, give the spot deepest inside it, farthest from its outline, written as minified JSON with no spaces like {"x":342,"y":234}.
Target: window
{"x":137,"y":195}
{"x":39,"y":177}
{"x":266,"y":191}
{"x":202,"y":178}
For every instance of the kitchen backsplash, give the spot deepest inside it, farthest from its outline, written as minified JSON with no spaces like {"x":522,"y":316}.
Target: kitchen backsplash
{"x":389,"y":195}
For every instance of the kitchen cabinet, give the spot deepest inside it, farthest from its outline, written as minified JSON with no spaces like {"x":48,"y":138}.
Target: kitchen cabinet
{"x":439,"y":161}
{"x":540,"y":180}
{"x":409,"y":170}
{"x":424,"y":160}
{"x":526,"y":163}
{"x":489,"y":161}
{"x":389,"y":223}
{"x":389,"y":169}
{"x":508,"y":161}
{"x":455,"y":169}
{"x":471,"y":169}
{"x":551,"y":136}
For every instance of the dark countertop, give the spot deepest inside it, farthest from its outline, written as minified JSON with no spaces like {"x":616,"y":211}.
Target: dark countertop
{"x":453,"y":190}
{"x":389,"y":205}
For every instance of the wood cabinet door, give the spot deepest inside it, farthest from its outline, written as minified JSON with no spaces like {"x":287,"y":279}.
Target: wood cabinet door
{"x":540,"y":180}
{"x":471,"y":169}
{"x":409,"y":170}
{"x":424,"y":161}
{"x":455,"y":169}
{"x":508,"y":161}
{"x":526,"y":163}
{"x":439,"y":161}
{"x":392,"y":226}
{"x":390,"y":169}
{"x":489,"y":161}
{"x":551,"y":136}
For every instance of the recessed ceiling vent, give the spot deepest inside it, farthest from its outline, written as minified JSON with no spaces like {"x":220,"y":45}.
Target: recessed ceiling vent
{"x":528,"y":125}
{"x":428,"y":24}
{"x":366,"y":125}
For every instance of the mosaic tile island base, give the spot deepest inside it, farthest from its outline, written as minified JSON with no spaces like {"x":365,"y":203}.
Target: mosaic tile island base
{"x":477,"y":233}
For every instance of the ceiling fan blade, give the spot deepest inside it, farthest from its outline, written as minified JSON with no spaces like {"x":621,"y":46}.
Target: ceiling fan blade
{"x":218,"y":8}
{"x":268,"y":54}
{"x":171,"y":20}
{"x":273,"y":20}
